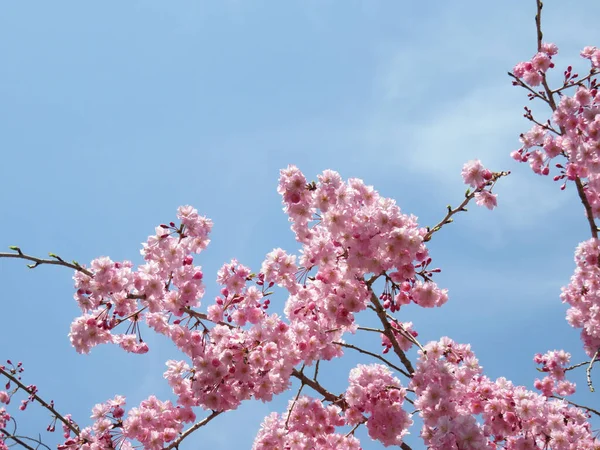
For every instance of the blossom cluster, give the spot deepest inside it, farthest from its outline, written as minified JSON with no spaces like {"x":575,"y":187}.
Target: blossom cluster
{"x":154,"y":424}
{"x":238,"y":350}
{"x":348,"y":231}
{"x":374,"y":391}
{"x":477,"y":176}
{"x":532,"y":71}
{"x":452,"y":392}
{"x":115,"y":293}
{"x":374,"y":396}
{"x":554,"y":363}
{"x":307,"y":424}
{"x":573,"y":133}
{"x":235,"y":365}
{"x":574,"y":128}
{"x":404,"y":335}
{"x":583,"y":295}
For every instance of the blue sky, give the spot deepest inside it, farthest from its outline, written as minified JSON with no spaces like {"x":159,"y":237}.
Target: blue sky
{"x":115,"y":113}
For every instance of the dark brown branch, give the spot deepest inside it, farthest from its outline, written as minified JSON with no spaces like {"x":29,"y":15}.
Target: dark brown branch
{"x":17,"y":439}
{"x":538,"y":24}
{"x":57,"y":261}
{"x":588,"y":208}
{"x":389,"y":332}
{"x":38,"y":399}
{"x":338,"y":400}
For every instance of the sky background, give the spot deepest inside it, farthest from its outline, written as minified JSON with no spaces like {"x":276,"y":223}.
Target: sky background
{"x":114,"y":113}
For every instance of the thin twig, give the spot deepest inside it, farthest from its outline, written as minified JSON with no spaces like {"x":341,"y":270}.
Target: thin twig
{"x":302,"y":384}
{"x":374,"y":355}
{"x":351,"y":432}
{"x":520,"y":83}
{"x":575,"y":366}
{"x":203,"y":316}
{"x":460,"y":208}
{"x":186,"y":433}
{"x":74,"y":428}
{"x":592,"y":73}
{"x":374,"y":330}
{"x":57,"y":261}
{"x":587,"y":408}
{"x":588,"y":371}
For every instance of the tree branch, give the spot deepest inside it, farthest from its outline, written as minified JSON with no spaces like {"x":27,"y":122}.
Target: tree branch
{"x":186,"y":433}
{"x":552,"y":103}
{"x":588,"y":208}
{"x":588,"y":371}
{"x":57,"y":261}
{"x":389,"y":332}
{"x":375,"y":355}
{"x":587,"y":408}
{"x":17,"y":439}
{"x":338,"y":400}
{"x":460,"y":208}
{"x":73,"y":427}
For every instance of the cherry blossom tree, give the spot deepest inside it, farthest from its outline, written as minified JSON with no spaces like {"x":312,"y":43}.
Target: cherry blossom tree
{"x":360,"y":255}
